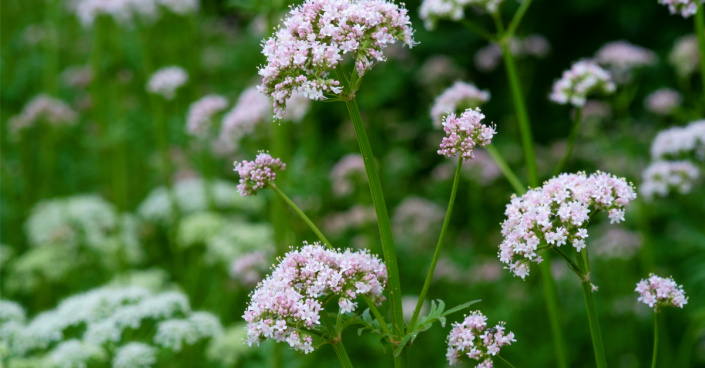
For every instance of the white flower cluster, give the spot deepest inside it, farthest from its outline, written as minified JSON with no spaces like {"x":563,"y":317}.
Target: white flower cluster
{"x":663,"y":101}
{"x":680,"y":142}
{"x":228,"y":349}
{"x":135,"y":355}
{"x":620,"y":57}
{"x":663,"y":177}
{"x":431,"y":11}
{"x":127,"y":12}
{"x":41,"y":108}
{"x":685,"y":55}
{"x":192,"y":198}
{"x":456,"y":99}
{"x":166,"y":81}
{"x":103,"y":314}
{"x":173,"y":334}
{"x":583,"y":79}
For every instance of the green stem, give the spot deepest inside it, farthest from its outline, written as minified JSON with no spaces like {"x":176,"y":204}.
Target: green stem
{"x":522,"y":116}
{"x":336,"y":341}
{"x":571,"y":141}
{"x":700,"y":32}
{"x":301,"y":214}
{"x":595,"y":333}
{"x":498,"y":356}
{"x":478,"y":29}
{"x":653,"y":359}
{"x":572,"y":265}
{"x":385,"y":229}
{"x":439,"y":245}
{"x":282,"y":229}
{"x":518,"y":16}
{"x":506,"y":170}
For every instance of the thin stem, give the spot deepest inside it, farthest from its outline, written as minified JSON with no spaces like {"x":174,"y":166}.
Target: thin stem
{"x":571,"y":141}
{"x":573,"y":266}
{"x":595,"y":333}
{"x":337,"y":342}
{"x":480,"y":30}
{"x":550,"y":295}
{"x":375,"y":312}
{"x":506,"y":170}
{"x":439,"y":245}
{"x":281,"y":226}
{"x":385,"y":229}
{"x":653,"y":359}
{"x":301,"y":214}
{"x":522,"y":116}
{"x":700,"y":32}
{"x":518,"y":16}
{"x":499,"y":356}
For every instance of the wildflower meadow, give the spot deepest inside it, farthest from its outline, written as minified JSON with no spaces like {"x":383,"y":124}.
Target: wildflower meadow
{"x":352,"y":183}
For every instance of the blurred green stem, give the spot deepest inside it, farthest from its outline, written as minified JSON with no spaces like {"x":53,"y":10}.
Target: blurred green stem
{"x":577,"y":119}
{"x":499,"y":356}
{"x":301,"y":214}
{"x":385,"y":229}
{"x":439,"y":245}
{"x":506,"y":170}
{"x":518,"y":16}
{"x":47,"y":159}
{"x":595,"y":333}
{"x":653,"y":358}
{"x":280,"y":148}
{"x":700,"y":32}
{"x":549,"y":284}
{"x":478,"y":29}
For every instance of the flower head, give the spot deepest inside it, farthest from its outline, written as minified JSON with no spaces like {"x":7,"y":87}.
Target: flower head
{"x":661,"y":177}
{"x":200,"y":114}
{"x":249,"y":268}
{"x":663,"y":101}
{"x":166,"y":81}
{"x":347,"y":172}
{"x":685,"y":55}
{"x":135,"y":355}
{"x":432,"y":11}
{"x":289,"y":301}
{"x":463,"y":133}
{"x":471,"y":338}
{"x":251,"y":109}
{"x":620,"y":57}
{"x":677,"y":142}
{"x":558,"y":213}
{"x":660,"y":292}
{"x":41,"y":108}
{"x":460,"y":96}
{"x":685,"y":8}
{"x":583,"y":79}
{"x":255,"y":175}
{"x":314,"y":38}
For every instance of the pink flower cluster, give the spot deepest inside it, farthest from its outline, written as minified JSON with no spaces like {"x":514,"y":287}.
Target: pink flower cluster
{"x":663,"y":101}
{"x":251,"y":109}
{"x":660,"y":292}
{"x":685,"y":55}
{"x":346,"y":173}
{"x":166,"y":81}
{"x":488,"y":57}
{"x":472,"y":338}
{"x":317,"y":34}
{"x":661,"y":177}
{"x":255,"y":175}
{"x":679,"y":141}
{"x":288,"y":302}
{"x":620,"y":57}
{"x":463,"y":133}
{"x":685,"y":8}
{"x":558,"y":213}
{"x":249,"y":268}
{"x":584,"y":78}
{"x":41,"y":108}
{"x":431,"y":11}
{"x":200,"y":114}
{"x":459,"y":96}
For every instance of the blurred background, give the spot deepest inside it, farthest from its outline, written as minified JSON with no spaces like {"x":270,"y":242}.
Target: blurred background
{"x":86,"y":172}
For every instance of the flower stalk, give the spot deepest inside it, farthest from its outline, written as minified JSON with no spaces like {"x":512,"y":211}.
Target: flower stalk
{"x":577,"y":119}
{"x":595,"y":333}
{"x":653,"y":358}
{"x":301,"y":214}
{"x":439,"y":245}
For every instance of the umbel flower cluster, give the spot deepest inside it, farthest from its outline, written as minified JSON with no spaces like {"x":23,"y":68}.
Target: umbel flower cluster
{"x":200,"y":114}
{"x":661,"y":177}
{"x":557,"y":214}
{"x":432,"y":11}
{"x":41,"y":108}
{"x":288,"y":303}
{"x":314,"y":38}
{"x":126,"y":12}
{"x":657,"y":292}
{"x":255,"y":175}
{"x":685,"y":8}
{"x":620,"y":57}
{"x":679,"y":141}
{"x":459,"y":96}
{"x":583,"y":79}
{"x":463,"y":133}
{"x":166,"y":81}
{"x":472,"y":339}
{"x":663,"y":101}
